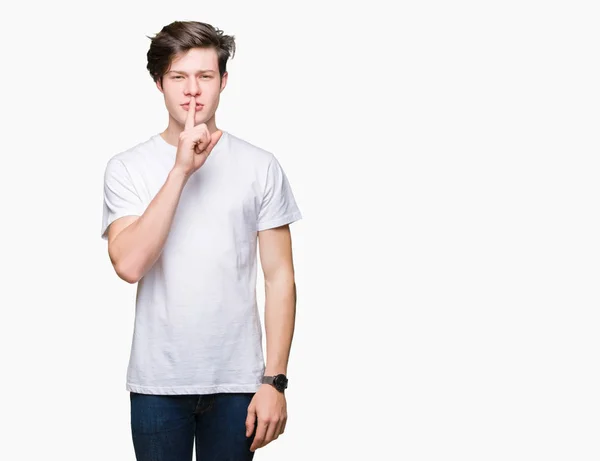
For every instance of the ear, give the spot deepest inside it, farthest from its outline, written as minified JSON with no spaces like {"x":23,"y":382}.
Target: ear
{"x":224,"y":80}
{"x":159,"y":86}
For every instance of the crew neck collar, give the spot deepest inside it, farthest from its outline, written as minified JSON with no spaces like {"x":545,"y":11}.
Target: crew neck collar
{"x":173,"y":149}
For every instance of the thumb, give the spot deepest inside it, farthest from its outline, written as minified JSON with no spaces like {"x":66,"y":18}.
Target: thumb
{"x":213,"y":139}
{"x":216,"y":135}
{"x":250,"y":421}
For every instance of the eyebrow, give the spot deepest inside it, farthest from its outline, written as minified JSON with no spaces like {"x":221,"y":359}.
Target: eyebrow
{"x":203,"y":71}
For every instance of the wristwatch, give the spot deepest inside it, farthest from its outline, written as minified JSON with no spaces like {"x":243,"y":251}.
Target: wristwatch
{"x":279,"y":382}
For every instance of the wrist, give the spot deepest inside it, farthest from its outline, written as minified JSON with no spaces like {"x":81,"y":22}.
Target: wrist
{"x":275,"y":371}
{"x":278,"y":381}
{"x":273,"y":367}
{"x":178,"y":175}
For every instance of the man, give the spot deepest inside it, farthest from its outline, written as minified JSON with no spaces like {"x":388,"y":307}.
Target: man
{"x":184,"y":213}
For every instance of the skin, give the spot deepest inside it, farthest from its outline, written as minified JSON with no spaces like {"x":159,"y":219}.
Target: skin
{"x":135,"y":242}
{"x":268,"y":410}
{"x":193,"y":74}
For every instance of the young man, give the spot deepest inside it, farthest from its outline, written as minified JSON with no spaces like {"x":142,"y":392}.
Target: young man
{"x":184,"y":213}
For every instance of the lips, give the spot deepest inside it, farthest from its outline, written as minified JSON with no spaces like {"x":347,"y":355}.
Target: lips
{"x":187,"y":107}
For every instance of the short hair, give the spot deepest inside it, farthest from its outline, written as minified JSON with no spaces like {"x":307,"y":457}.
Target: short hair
{"x":182,"y":36}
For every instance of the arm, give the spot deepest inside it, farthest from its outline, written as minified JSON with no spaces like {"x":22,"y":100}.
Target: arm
{"x":280,"y":296}
{"x":135,"y":242}
{"x":268,"y":409}
{"x":267,"y":413}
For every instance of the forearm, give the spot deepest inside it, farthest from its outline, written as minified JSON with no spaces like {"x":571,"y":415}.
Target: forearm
{"x":280,"y":315}
{"x":138,"y":246}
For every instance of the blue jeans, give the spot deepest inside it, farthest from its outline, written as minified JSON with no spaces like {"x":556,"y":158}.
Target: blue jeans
{"x":164,"y":427}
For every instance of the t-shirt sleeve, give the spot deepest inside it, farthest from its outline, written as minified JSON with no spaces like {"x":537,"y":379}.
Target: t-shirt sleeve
{"x":278,"y":206}
{"x":120,"y":196}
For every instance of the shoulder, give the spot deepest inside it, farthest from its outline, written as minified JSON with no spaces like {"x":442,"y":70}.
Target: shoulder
{"x":248,"y":152}
{"x":133,"y":155}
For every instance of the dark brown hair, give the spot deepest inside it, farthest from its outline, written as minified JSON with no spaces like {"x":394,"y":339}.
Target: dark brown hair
{"x":181,"y":36}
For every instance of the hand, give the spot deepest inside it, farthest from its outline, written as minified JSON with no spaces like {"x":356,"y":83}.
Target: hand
{"x":268,"y":406}
{"x":195,"y":143}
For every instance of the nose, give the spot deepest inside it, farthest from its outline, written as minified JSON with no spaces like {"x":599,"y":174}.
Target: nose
{"x":192,"y":87}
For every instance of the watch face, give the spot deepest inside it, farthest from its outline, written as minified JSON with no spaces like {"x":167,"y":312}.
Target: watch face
{"x":280,"y":382}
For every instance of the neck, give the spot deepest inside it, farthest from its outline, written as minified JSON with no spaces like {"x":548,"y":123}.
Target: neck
{"x":174,"y":129}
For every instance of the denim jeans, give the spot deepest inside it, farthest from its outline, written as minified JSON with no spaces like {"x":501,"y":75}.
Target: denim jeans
{"x":164,"y":427}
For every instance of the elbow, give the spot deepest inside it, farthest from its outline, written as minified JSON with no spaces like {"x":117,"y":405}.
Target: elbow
{"x":130,"y":279}
{"x":127,"y":273}
{"x":124,"y":265}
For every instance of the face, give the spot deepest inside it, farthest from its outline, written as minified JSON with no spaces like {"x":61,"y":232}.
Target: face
{"x":194,"y":73}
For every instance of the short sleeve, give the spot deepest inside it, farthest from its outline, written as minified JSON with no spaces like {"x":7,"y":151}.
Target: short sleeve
{"x":120,"y":196}
{"x":278,"y":203}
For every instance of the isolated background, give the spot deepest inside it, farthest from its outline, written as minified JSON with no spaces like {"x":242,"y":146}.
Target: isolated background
{"x":445,"y":158}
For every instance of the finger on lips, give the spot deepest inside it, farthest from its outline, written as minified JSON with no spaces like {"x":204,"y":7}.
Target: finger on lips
{"x":191,"y":115}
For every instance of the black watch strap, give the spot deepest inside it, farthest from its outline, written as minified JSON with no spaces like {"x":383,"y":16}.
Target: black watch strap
{"x":268,"y":379}
{"x":279,"y":382}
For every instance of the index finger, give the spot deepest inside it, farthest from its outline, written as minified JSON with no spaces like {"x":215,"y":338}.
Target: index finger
{"x":259,"y":435}
{"x":190,"y":121}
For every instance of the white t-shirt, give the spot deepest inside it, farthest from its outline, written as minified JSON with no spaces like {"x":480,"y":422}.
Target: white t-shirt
{"x":197,"y":327}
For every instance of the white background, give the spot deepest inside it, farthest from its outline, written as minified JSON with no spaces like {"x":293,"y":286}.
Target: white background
{"x":445,"y":158}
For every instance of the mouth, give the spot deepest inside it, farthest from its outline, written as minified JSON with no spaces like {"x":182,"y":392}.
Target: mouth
{"x":186,"y":107}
